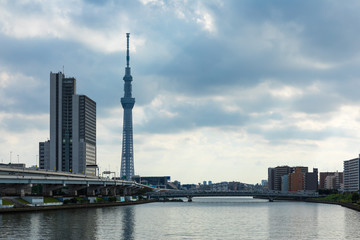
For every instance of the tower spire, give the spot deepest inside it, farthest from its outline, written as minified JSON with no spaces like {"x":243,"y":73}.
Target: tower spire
{"x":127,"y":50}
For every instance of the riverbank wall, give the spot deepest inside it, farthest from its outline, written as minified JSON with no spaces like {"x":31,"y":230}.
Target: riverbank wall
{"x":343,"y":204}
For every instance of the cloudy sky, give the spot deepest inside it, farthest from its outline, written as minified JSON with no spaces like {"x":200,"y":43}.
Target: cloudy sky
{"x":224,"y":89}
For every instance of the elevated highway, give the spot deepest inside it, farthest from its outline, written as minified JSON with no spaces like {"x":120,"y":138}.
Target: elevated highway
{"x":19,"y":181}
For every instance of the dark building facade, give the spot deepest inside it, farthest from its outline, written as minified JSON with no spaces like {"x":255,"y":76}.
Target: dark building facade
{"x":311,"y":180}
{"x":44,"y":155}
{"x":278,"y":173}
{"x":271,"y":176}
{"x":61,"y":91}
{"x":298,"y":178}
{"x":84,"y":134}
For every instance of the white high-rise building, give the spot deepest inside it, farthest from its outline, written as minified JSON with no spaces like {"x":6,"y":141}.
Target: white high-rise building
{"x":351,"y":175}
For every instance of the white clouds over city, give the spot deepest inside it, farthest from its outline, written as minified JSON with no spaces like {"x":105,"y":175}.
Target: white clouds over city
{"x":224,"y":89}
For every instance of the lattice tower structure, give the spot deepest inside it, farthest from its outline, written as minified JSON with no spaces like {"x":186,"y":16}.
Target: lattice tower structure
{"x":127,"y":102}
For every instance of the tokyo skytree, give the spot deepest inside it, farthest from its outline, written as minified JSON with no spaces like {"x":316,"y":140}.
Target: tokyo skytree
{"x":127,"y":102}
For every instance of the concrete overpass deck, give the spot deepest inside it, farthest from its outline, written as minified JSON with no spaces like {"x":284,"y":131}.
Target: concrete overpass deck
{"x":20,"y":181}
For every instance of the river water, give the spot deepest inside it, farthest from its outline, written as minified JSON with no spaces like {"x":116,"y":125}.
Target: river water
{"x":204,"y":218}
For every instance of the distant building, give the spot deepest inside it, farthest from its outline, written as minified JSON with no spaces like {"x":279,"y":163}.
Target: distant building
{"x":338,"y":178}
{"x":235,"y":186}
{"x":302,"y":169}
{"x":188,"y":186}
{"x":323,"y":176}
{"x":292,"y":176}
{"x":271,"y":176}
{"x":297,"y":180}
{"x":154,"y":181}
{"x":277,"y":174}
{"x":219,"y":187}
{"x":177,"y":184}
{"x":264,"y":183}
{"x":44,"y":155}
{"x":330,"y":182}
{"x":351,"y":175}
{"x":311,"y":180}
{"x":285,"y":183}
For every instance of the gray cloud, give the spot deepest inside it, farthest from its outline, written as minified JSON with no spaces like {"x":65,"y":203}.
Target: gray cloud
{"x":189,"y":117}
{"x":239,"y":51}
{"x":282,"y":135}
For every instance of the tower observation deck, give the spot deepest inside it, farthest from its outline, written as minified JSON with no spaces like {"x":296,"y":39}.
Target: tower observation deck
{"x":127,"y":102}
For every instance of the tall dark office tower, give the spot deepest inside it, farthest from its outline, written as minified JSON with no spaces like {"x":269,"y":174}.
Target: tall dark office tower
{"x":127,"y":102}
{"x":72,"y":146}
{"x":61,"y":92}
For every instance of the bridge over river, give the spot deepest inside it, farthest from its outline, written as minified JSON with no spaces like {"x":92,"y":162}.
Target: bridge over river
{"x":271,"y":195}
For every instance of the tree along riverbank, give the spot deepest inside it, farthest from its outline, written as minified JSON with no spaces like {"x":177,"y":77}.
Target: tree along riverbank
{"x":72,"y":206}
{"x":348,"y":200}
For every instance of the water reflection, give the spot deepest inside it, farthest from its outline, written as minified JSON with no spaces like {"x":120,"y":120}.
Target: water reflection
{"x":285,"y":221}
{"x":352,"y":220}
{"x":70,"y":224}
{"x":115,"y":223}
{"x":214,"y":219}
{"x":128,"y":222}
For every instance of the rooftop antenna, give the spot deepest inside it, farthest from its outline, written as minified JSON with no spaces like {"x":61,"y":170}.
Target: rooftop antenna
{"x":127,"y":50}
{"x":63,"y":70}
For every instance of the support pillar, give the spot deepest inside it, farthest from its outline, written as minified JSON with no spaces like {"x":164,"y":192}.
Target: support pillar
{"x":48,"y":189}
{"x":91,"y":191}
{"x":73,"y":189}
{"x":21,"y":191}
{"x":104,"y":191}
{"x":113,"y":191}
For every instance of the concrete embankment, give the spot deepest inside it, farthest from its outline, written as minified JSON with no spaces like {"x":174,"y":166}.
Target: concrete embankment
{"x":72,"y":206}
{"x":347,"y":205}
